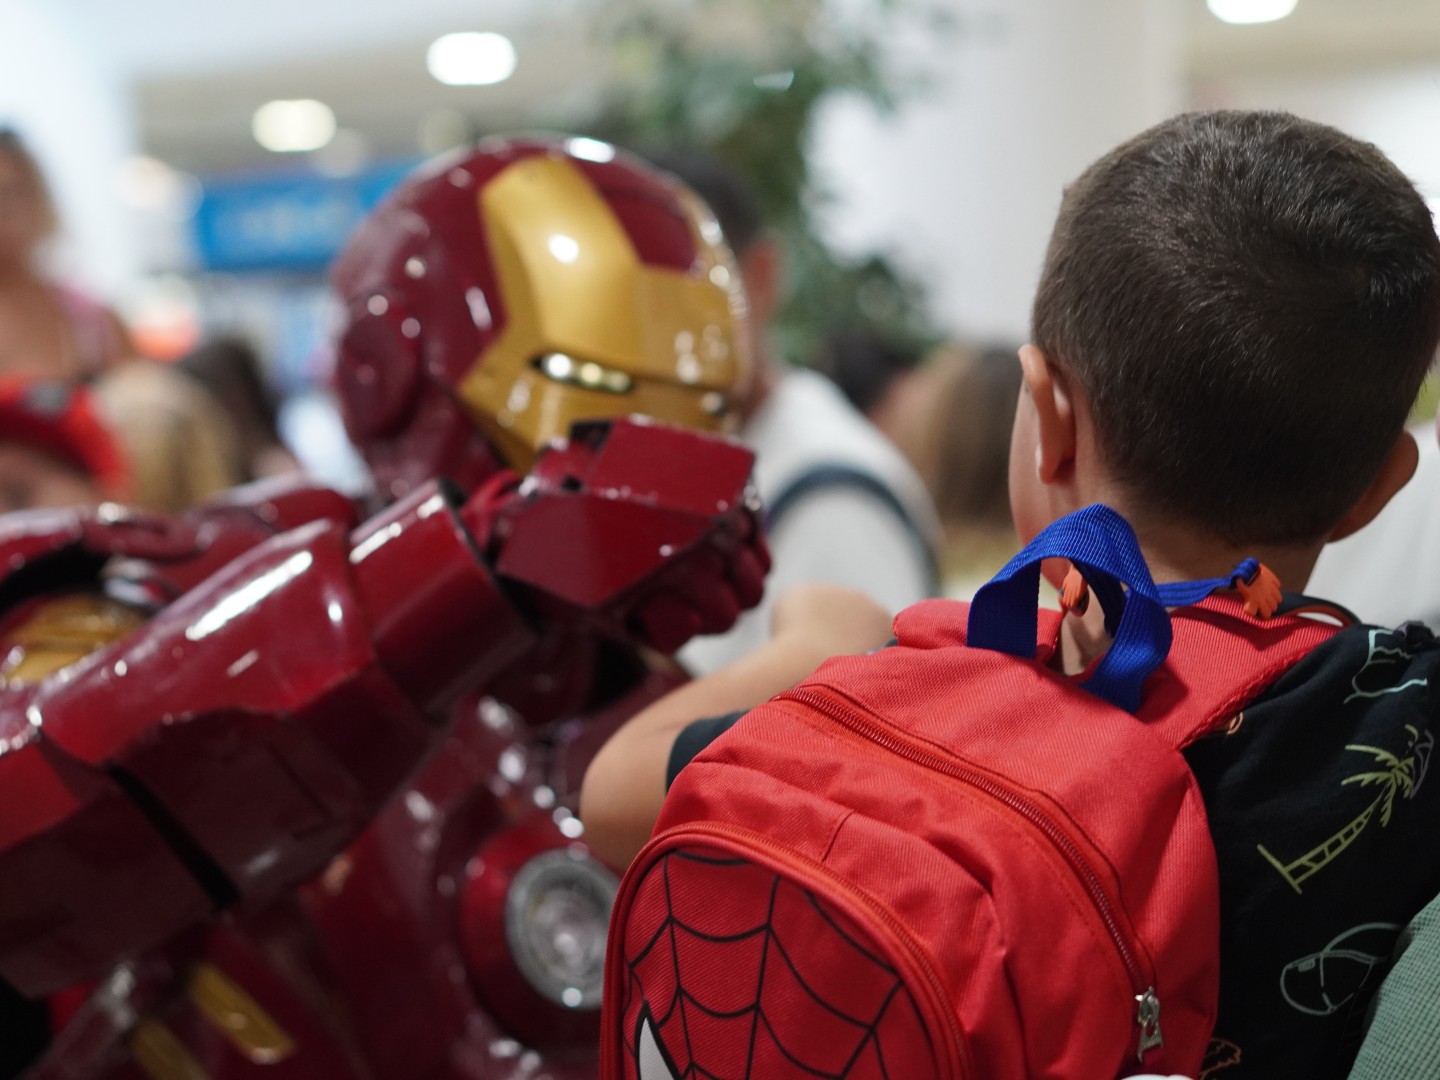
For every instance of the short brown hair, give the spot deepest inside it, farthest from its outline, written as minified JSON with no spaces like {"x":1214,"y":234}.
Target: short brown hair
{"x":1250,"y":302}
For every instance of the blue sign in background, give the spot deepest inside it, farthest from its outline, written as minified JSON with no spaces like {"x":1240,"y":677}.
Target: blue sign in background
{"x":295,"y":223}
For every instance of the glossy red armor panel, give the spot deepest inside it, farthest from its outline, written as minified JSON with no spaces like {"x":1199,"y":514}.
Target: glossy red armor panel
{"x":389,"y":915}
{"x":273,"y":762}
{"x":255,"y":725}
{"x":430,"y":602}
{"x":225,"y":528}
{"x":84,"y":872}
{"x":620,"y":501}
{"x":244,"y":751}
{"x":486,"y":905}
{"x":395,"y":389}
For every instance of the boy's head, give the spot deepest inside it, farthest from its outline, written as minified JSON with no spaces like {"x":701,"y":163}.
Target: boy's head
{"x":1247,"y":304}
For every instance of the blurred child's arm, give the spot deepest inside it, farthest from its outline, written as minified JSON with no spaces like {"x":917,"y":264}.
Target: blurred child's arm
{"x":625,"y":784}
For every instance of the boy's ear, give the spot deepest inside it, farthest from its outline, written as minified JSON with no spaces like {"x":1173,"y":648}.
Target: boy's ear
{"x":1054,"y":411}
{"x":1399,"y":466}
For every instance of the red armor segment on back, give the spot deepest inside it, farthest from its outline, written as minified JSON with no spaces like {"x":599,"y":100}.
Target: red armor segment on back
{"x":259,"y":722}
{"x":87,"y":876}
{"x":256,"y":763}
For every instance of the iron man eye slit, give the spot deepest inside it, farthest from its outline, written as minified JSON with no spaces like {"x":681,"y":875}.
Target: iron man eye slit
{"x":589,"y":375}
{"x":586,"y":374}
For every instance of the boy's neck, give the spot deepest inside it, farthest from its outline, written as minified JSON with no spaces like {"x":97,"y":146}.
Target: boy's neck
{"x":1180,"y":553}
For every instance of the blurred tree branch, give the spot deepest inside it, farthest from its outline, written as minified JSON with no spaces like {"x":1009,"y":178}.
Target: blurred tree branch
{"x":743,"y":80}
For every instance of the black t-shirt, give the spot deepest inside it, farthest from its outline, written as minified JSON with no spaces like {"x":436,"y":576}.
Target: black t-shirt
{"x":1327,"y":835}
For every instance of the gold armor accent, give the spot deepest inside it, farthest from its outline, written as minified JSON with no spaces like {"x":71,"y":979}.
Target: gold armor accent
{"x":248,"y":1027}
{"x":646,"y":339}
{"x":230,"y":1010}
{"x":60,"y":632}
{"x":161,"y":1055}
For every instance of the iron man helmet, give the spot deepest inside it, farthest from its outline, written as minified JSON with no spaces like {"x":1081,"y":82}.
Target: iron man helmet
{"x":499,"y":295}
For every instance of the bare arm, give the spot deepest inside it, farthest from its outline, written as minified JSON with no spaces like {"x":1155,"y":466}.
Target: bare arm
{"x":625,"y":784}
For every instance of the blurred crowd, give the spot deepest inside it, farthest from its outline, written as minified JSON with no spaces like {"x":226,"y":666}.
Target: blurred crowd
{"x":87,"y":418}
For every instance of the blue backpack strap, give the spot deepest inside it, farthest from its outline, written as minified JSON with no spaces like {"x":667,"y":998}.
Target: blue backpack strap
{"x":1185,"y":593}
{"x":833,"y":476}
{"x":1004,"y":615}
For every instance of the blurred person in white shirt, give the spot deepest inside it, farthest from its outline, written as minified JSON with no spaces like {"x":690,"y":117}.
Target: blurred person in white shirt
{"x":843,"y":505}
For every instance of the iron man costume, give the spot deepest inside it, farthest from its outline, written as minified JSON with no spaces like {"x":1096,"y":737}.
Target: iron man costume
{"x":200,"y":715}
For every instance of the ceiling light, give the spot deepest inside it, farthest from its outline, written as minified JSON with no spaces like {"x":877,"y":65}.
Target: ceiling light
{"x":471,"y":59}
{"x":1250,"y":11}
{"x":291,"y":126}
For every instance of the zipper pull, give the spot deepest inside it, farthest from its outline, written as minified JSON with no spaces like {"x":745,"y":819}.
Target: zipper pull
{"x":1147,"y":1016}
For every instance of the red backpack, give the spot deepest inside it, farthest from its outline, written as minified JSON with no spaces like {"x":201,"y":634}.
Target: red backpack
{"x":947,"y":860}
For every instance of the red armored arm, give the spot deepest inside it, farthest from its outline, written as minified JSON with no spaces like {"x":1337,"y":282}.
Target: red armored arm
{"x":227,"y":749}
{"x":224,"y":528}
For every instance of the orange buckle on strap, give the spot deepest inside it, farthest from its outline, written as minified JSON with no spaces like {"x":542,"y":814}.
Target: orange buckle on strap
{"x":1261,"y":594}
{"x":1074,"y":593}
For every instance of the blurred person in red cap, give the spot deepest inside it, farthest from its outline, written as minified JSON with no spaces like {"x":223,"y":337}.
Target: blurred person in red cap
{"x":54,"y":448}
{"x":44,"y":327}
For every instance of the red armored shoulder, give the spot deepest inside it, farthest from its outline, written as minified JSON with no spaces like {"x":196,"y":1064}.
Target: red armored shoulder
{"x":227,"y":748}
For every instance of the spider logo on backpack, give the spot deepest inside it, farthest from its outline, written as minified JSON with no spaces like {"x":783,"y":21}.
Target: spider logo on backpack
{"x":650,"y":1054}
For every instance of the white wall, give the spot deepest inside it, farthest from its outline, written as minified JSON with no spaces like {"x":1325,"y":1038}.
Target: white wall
{"x":963,"y":184}
{"x":1397,"y":110}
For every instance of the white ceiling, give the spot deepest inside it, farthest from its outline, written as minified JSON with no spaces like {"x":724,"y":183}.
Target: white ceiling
{"x":201,"y":122}
{"x":200,"y":70}
{"x":163,"y":38}
{"x":1321,"y":35}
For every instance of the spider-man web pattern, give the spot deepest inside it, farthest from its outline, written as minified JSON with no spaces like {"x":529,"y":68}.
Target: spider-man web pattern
{"x":735,"y":972}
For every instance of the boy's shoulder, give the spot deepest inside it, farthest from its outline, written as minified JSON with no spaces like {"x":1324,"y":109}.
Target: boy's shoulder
{"x":1365,"y":678}
{"x":1323,"y":819}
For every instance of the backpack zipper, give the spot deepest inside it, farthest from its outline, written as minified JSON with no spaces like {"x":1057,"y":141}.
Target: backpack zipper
{"x":1147,"y":1017}
{"x":741,"y":840}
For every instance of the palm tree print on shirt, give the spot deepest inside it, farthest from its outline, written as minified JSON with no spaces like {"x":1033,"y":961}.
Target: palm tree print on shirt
{"x":1396,"y":776}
